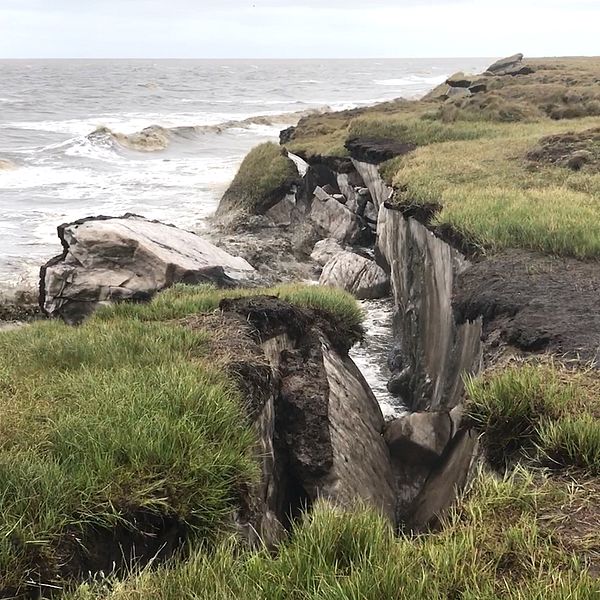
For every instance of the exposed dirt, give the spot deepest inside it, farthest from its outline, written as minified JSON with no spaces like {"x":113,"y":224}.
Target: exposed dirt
{"x":270,"y":316}
{"x":19,"y":305}
{"x":425,"y":214}
{"x":575,"y":151}
{"x":302,"y":418}
{"x":535,"y":303}
{"x":376,"y":151}
{"x":575,"y":524}
{"x":234,"y":345}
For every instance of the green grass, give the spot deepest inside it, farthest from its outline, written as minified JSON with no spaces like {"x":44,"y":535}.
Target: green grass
{"x":264,"y":176}
{"x":129,"y":413}
{"x":181,"y":301}
{"x":420,"y":131}
{"x":499,"y":544}
{"x":541,"y":410}
{"x":496,"y":198}
{"x":572,"y":441}
{"x":104,"y":422}
{"x":471,"y":159}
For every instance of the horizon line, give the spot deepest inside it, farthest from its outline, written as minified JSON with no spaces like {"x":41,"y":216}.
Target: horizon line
{"x":40,"y":58}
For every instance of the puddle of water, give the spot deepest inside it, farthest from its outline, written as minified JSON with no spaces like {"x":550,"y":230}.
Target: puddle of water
{"x":371,"y":355}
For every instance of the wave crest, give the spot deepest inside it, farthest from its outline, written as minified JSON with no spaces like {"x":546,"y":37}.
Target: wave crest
{"x":149,"y":139}
{"x":7,"y":165}
{"x":156,"y":137}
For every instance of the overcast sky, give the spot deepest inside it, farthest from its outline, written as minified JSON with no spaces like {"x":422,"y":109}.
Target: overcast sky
{"x":297,"y":28}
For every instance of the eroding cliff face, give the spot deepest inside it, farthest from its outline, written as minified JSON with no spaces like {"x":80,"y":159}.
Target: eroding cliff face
{"x":329,"y":433}
{"x":433,"y":351}
{"x":319,"y":426}
{"x":369,"y":172}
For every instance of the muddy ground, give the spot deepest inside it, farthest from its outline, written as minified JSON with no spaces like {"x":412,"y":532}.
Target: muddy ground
{"x":534,"y":303}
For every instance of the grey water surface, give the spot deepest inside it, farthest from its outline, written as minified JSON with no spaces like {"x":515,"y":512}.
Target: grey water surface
{"x":62,"y":155}
{"x":207,"y":108}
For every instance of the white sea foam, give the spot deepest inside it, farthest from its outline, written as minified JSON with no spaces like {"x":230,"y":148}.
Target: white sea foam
{"x":371,"y":356}
{"x":412,"y":80}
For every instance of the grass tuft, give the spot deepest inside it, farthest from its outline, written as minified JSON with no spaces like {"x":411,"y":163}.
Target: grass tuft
{"x":497,"y":545}
{"x":107,"y":422}
{"x":264,"y":177}
{"x":541,"y":409}
{"x":183,"y":300}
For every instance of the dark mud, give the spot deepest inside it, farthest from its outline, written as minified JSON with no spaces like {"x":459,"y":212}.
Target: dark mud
{"x":534,"y":303}
{"x":376,"y":151}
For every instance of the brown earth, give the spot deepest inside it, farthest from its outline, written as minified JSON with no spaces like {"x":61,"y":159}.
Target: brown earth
{"x":535,"y":303}
{"x":576,"y":151}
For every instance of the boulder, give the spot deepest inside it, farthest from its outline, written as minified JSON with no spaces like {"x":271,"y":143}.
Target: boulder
{"x":334,"y":218}
{"x":458,"y":92}
{"x":510,"y":66}
{"x":459,"y":80}
{"x":478,"y":88}
{"x":348,"y":190}
{"x":445,"y":483}
{"x":358,"y":275}
{"x":419,"y":437}
{"x":325,"y":250}
{"x":107,"y":259}
{"x":282,"y":212}
{"x":510,"y":62}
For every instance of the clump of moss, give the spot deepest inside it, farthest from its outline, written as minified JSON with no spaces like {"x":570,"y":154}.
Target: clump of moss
{"x":265,"y":176}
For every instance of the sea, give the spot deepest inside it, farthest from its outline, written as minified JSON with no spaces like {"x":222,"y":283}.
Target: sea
{"x":67,"y":149}
{"x":163,"y":139}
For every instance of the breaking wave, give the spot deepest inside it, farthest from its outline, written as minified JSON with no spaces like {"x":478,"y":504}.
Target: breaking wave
{"x":156,"y":137}
{"x":7,"y":165}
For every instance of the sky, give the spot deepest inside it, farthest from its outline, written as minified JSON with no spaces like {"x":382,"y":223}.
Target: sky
{"x":297,"y":28}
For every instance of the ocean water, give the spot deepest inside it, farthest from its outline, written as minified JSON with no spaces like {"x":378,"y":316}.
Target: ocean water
{"x":59,"y":162}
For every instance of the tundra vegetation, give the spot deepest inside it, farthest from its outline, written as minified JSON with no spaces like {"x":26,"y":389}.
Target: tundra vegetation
{"x":516,"y":166}
{"x":133,"y":412}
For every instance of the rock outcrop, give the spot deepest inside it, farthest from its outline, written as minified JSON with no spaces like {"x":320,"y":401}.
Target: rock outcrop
{"x":360,"y":276}
{"x":106,"y":259}
{"x":334,"y":218}
{"x":511,"y":65}
{"x":459,"y":80}
{"x":325,"y":250}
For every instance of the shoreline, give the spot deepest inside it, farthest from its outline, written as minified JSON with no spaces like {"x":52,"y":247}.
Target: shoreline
{"x":439,"y":206}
